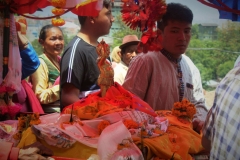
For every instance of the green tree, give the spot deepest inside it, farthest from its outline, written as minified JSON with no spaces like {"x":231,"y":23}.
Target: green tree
{"x":125,"y":30}
{"x":195,"y":31}
{"x":215,"y":58}
{"x":224,"y":68}
{"x":37,"y":46}
{"x":229,"y":37}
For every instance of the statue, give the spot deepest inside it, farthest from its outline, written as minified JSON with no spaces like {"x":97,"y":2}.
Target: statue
{"x":105,"y":79}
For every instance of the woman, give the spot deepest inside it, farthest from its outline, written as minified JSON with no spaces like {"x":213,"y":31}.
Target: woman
{"x":115,"y":56}
{"x":51,"y":39}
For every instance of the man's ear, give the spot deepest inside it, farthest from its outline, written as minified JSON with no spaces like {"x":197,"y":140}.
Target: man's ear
{"x":91,"y":19}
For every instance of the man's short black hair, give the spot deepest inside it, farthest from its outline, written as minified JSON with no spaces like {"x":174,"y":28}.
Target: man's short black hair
{"x":106,"y":4}
{"x":175,"y":12}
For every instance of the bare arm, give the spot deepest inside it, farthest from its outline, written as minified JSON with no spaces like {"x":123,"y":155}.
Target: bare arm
{"x":206,"y":143}
{"x":69,"y":94}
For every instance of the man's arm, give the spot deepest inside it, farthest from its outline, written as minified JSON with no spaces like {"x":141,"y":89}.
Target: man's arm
{"x":207,"y":131}
{"x":199,"y":100}
{"x":69,"y":94}
{"x":206,"y":143}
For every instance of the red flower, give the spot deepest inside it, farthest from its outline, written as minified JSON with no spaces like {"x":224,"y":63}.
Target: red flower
{"x":144,"y":14}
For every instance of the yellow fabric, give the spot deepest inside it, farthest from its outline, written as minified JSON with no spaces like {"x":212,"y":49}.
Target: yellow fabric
{"x":179,"y":138}
{"x":186,"y":142}
{"x":78,"y":150}
{"x":27,"y":138}
{"x":43,"y":89}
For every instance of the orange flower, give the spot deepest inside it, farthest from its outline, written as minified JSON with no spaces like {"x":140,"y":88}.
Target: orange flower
{"x":25,"y":121}
{"x":184,"y":108}
{"x":58,"y":11}
{"x":58,"y":3}
{"x":177,"y":105}
{"x":102,"y":125}
{"x":58,"y":21}
{"x":130,"y":124}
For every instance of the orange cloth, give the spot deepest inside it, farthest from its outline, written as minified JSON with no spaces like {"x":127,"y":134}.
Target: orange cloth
{"x":115,"y":100}
{"x":179,"y":138}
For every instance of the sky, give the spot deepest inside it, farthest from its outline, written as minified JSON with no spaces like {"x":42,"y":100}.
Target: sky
{"x":201,"y":12}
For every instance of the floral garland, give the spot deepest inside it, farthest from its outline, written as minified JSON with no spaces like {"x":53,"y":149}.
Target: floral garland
{"x":126,"y":143}
{"x":144,"y":14}
{"x":58,"y":10}
{"x":102,"y":125}
{"x":130,"y":124}
{"x":184,"y":109}
{"x":25,"y":121}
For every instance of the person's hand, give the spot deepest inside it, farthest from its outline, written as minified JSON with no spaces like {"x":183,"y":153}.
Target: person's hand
{"x":22,"y":41}
{"x":197,"y":125}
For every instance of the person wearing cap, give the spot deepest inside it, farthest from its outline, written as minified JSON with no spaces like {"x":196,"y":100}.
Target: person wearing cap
{"x":164,"y":77}
{"x":128,"y":52}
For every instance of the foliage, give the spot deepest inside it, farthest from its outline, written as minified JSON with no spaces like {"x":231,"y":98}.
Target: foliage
{"x":37,"y":46}
{"x":215,"y":58}
{"x":195,"y":31}
{"x":229,"y":36}
{"x":224,"y":68}
{"x":125,"y":30}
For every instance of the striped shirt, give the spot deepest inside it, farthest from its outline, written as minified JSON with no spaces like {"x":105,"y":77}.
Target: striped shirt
{"x":154,"y":78}
{"x":79,"y":67}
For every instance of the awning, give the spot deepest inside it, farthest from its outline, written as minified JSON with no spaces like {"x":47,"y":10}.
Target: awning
{"x":228,"y":9}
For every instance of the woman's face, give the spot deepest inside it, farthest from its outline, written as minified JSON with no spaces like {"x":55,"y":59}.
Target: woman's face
{"x":54,"y":43}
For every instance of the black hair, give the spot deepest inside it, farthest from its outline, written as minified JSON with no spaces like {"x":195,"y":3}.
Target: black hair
{"x":175,"y":12}
{"x":43,"y":32}
{"x":106,"y":4}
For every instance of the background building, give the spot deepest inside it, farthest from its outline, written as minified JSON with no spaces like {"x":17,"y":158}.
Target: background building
{"x":207,"y":31}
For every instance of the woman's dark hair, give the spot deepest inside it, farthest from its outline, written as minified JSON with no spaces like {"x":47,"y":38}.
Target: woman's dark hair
{"x":43,"y":32}
{"x":175,"y":12}
{"x":106,"y":4}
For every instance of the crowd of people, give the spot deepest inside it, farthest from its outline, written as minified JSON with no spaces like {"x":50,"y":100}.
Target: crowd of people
{"x":160,"y":78}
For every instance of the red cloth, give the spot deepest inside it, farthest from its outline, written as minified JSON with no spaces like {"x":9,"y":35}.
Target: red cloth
{"x":28,"y":6}
{"x":57,"y":81}
{"x":116,"y":96}
{"x":88,"y":8}
{"x":33,"y":101}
